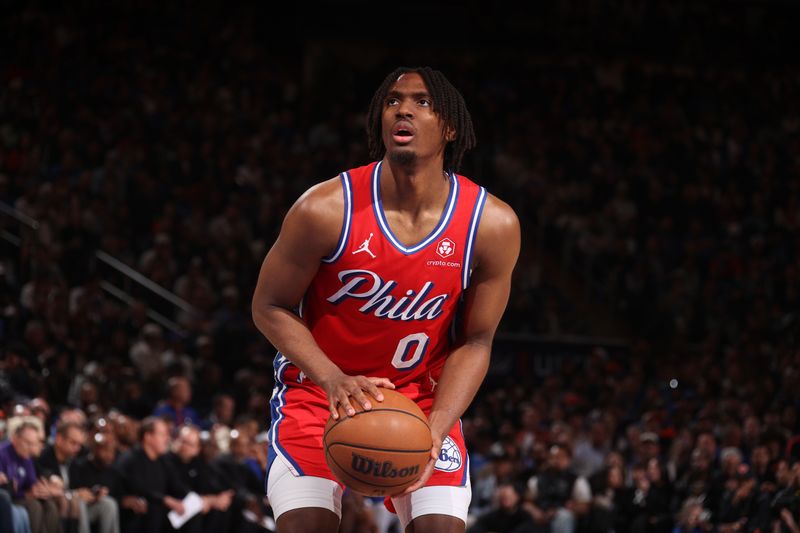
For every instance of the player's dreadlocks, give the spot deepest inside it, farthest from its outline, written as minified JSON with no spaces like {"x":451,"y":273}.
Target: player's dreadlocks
{"x":447,"y":103}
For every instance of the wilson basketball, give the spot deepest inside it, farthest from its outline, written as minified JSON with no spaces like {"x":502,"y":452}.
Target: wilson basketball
{"x":382,"y":451}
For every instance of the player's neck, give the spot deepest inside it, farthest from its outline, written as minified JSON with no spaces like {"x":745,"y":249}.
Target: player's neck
{"x":413,"y":188}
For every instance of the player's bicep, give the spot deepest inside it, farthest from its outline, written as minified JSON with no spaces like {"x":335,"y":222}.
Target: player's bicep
{"x":285,"y":273}
{"x":497,"y":250}
{"x":485,"y":302}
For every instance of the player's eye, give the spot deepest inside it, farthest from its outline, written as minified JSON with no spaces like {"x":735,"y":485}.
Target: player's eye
{"x":424,"y":102}
{"x":392,"y":101}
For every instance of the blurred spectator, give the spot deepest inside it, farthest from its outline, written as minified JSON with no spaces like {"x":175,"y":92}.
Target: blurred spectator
{"x":133,"y":400}
{"x":611,"y":500}
{"x":13,"y":518}
{"x":784,"y":508}
{"x":222,"y":412}
{"x":558,"y":498}
{"x":507,"y":515}
{"x":194,"y":473}
{"x":147,"y":353}
{"x":40,"y":409}
{"x":696,"y":482}
{"x":652,"y":495}
{"x":35,"y":495}
{"x":498,"y":471}
{"x":147,"y":476}
{"x":738,"y":505}
{"x":71,"y":415}
{"x":249,"y":489}
{"x":692,"y":519}
{"x":532,"y":430}
{"x":53,"y":464}
{"x":176,"y":406}
{"x":158,"y":262}
{"x":93,"y":507}
{"x":649,"y":446}
{"x":94,"y":475}
{"x":591,"y":449}
{"x":126,"y":431}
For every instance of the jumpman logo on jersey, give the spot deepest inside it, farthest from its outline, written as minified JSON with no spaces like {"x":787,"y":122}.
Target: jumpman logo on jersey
{"x":365,"y":247}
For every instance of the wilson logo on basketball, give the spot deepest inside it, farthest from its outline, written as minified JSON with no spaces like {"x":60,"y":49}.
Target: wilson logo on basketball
{"x":365,"y":465}
{"x":445,"y":248}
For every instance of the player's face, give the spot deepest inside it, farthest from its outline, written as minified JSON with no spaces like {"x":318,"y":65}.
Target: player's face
{"x":411,"y":128}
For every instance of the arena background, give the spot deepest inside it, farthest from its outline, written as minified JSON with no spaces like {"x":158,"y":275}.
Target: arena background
{"x":148,"y":152}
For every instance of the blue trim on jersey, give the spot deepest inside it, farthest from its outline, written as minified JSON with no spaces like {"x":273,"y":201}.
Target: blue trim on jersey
{"x":276,"y":404}
{"x":348,"y":214}
{"x":383,"y":224}
{"x":465,"y":465}
{"x":477,"y":211}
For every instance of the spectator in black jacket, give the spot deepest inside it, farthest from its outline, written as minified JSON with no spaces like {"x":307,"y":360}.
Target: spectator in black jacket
{"x":94,"y":470}
{"x":611,"y":500}
{"x":196,"y":474}
{"x":507,"y":516}
{"x":652,"y":494}
{"x":84,"y":505}
{"x":54,"y":463}
{"x":147,"y":475}
{"x":558,"y":497}
{"x":93,"y":473}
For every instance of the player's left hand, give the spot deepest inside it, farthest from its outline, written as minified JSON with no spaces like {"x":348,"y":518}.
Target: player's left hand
{"x":427,"y":472}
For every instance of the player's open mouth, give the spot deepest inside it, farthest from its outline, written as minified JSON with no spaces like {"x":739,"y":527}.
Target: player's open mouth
{"x":403,"y":132}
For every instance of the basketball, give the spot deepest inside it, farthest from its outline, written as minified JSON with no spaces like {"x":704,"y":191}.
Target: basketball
{"x":382,"y":451}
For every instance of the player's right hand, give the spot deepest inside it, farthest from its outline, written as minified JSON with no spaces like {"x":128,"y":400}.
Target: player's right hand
{"x":342,"y":388}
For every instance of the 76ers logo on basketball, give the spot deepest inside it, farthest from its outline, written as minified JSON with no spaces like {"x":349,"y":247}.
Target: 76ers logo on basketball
{"x":445,"y":248}
{"x":449,"y":456}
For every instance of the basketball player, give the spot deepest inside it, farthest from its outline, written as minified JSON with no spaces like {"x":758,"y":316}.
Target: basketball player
{"x":396,"y":275}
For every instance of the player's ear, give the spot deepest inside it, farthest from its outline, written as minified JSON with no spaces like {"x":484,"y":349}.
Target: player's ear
{"x":449,"y":134}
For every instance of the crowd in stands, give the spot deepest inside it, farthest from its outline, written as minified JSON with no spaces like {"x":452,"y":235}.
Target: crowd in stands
{"x":112,"y":472}
{"x":670,"y":189}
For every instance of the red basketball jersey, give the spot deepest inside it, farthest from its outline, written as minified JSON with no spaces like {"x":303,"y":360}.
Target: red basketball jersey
{"x":380,"y":308}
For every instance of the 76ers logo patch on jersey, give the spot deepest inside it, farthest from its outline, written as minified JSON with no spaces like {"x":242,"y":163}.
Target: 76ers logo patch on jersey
{"x":445,"y":248}
{"x":449,"y":456}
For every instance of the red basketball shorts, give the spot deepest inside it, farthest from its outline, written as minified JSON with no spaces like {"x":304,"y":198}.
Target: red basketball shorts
{"x":299,"y":411}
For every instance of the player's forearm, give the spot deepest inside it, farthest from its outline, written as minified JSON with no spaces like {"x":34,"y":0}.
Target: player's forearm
{"x":290,"y":336}
{"x":460,"y":380}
